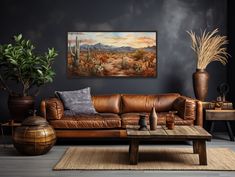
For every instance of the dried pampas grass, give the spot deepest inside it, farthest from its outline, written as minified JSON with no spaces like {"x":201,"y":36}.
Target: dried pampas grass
{"x":209,"y":47}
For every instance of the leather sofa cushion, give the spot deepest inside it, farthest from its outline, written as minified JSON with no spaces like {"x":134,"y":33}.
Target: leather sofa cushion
{"x":186,"y":107}
{"x":107,"y":103}
{"x":144,"y":103}
{"x":133,"y":119}
{"x":98,"y":121}
{"x":54,"y":109}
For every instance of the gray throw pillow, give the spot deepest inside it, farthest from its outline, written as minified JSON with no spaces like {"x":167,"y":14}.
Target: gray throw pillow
{"x":77,"y":102}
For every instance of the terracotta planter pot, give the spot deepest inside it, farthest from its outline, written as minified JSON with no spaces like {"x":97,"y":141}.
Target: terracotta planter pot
{"x":200,"y":84}
{"x":19,"y":107}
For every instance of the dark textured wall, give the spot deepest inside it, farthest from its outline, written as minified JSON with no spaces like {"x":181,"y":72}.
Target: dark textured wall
{"x":46,"y":23}
{"x":231,"y":65}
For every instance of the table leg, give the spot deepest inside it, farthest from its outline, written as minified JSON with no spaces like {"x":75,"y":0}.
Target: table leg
{"x":230,"y":132}
{"x":134,"y":152}
{"x":195,"y":147}
{"x":3,"y":137}
{"x":11,"y":123}
{"x":212,"y":127}
{"x":202,"y":152}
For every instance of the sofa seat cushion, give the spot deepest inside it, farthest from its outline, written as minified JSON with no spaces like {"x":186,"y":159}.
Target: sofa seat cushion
{"x":133,"y":119}
{"x":97,"y":121}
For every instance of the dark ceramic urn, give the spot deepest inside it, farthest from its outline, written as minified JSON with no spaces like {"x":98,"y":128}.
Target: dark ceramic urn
{"x":19,"y":107}
{"x":200,"y":84}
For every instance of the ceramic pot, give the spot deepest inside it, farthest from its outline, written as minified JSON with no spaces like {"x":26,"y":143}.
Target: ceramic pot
{"x":19,"y":107}
{"x":200,"y":84}
{"x":142,"y":122}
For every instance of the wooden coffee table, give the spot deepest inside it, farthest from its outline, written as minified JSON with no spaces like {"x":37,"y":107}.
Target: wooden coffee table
{"x":197,"y":134}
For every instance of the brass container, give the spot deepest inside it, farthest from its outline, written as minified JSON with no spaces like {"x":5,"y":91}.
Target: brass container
{"x":200,"y":84}
{"x":34,"y":137}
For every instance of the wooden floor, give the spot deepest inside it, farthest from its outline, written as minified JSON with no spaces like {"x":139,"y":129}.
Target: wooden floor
{"x":15,"y":165}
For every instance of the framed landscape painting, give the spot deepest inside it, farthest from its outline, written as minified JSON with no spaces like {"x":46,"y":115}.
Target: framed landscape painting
{"x":112,"y":54}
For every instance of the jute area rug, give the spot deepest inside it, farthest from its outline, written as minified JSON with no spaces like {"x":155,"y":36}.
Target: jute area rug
{"x":150,"y":158}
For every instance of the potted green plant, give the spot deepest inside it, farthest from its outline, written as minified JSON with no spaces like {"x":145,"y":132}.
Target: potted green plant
{"x":20,"y":63}
{"x":208,"y":47}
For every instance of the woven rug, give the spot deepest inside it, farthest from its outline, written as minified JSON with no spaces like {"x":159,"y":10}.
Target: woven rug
{"x":150,"y":158}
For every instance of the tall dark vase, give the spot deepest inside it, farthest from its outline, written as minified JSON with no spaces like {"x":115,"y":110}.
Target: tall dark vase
{"x":19,"y":107}
{"x":200,"y":84}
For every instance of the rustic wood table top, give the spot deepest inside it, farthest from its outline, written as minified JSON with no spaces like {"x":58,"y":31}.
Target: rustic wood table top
{"x":212,"y":114}
{"x":163,"y":133}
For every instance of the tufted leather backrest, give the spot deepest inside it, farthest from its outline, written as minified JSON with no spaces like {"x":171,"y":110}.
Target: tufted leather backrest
{"x":144,"y":103}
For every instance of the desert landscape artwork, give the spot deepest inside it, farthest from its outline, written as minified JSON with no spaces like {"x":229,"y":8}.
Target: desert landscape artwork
{"x":112,"y":54}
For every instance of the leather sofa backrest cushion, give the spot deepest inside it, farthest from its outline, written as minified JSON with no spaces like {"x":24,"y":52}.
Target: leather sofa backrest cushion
{"x":186,"y":107}
{"x":54,"y":109}
{"x":107,"y":103}
{"x":165,"y":101}
{"x":144,"y":103}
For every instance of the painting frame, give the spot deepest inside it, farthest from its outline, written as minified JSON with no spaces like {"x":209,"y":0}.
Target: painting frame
{"x":154,"y":49}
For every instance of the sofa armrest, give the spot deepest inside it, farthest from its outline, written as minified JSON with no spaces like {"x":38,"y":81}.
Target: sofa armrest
{"x":52,"y":109}
{"x":189,"y":109}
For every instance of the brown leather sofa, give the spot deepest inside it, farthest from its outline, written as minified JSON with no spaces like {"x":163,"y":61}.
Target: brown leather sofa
{"x":116,"y":111}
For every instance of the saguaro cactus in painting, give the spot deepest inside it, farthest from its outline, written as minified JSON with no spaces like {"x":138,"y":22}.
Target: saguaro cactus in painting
{"x":119,"y":54}
{"x":75,"y":52}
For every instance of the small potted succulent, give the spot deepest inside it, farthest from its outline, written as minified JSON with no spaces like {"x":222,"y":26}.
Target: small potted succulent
{"x":21,"y":64}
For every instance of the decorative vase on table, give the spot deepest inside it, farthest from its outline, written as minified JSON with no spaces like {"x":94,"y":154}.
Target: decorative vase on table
{"x":200,"y":84}
{"x":142,"y":122}
{"x":153,"y":119}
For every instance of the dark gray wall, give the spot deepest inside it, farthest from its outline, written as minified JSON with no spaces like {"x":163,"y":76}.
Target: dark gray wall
{"x":231,"y":65}
{"x":46,"y":23}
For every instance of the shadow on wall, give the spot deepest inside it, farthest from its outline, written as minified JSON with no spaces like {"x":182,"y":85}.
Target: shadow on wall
{"x":177,"y":76}
{"x":173,"y":84}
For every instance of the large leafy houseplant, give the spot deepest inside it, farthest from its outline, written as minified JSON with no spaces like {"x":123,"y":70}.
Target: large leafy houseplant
{"x":19,"y":62}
